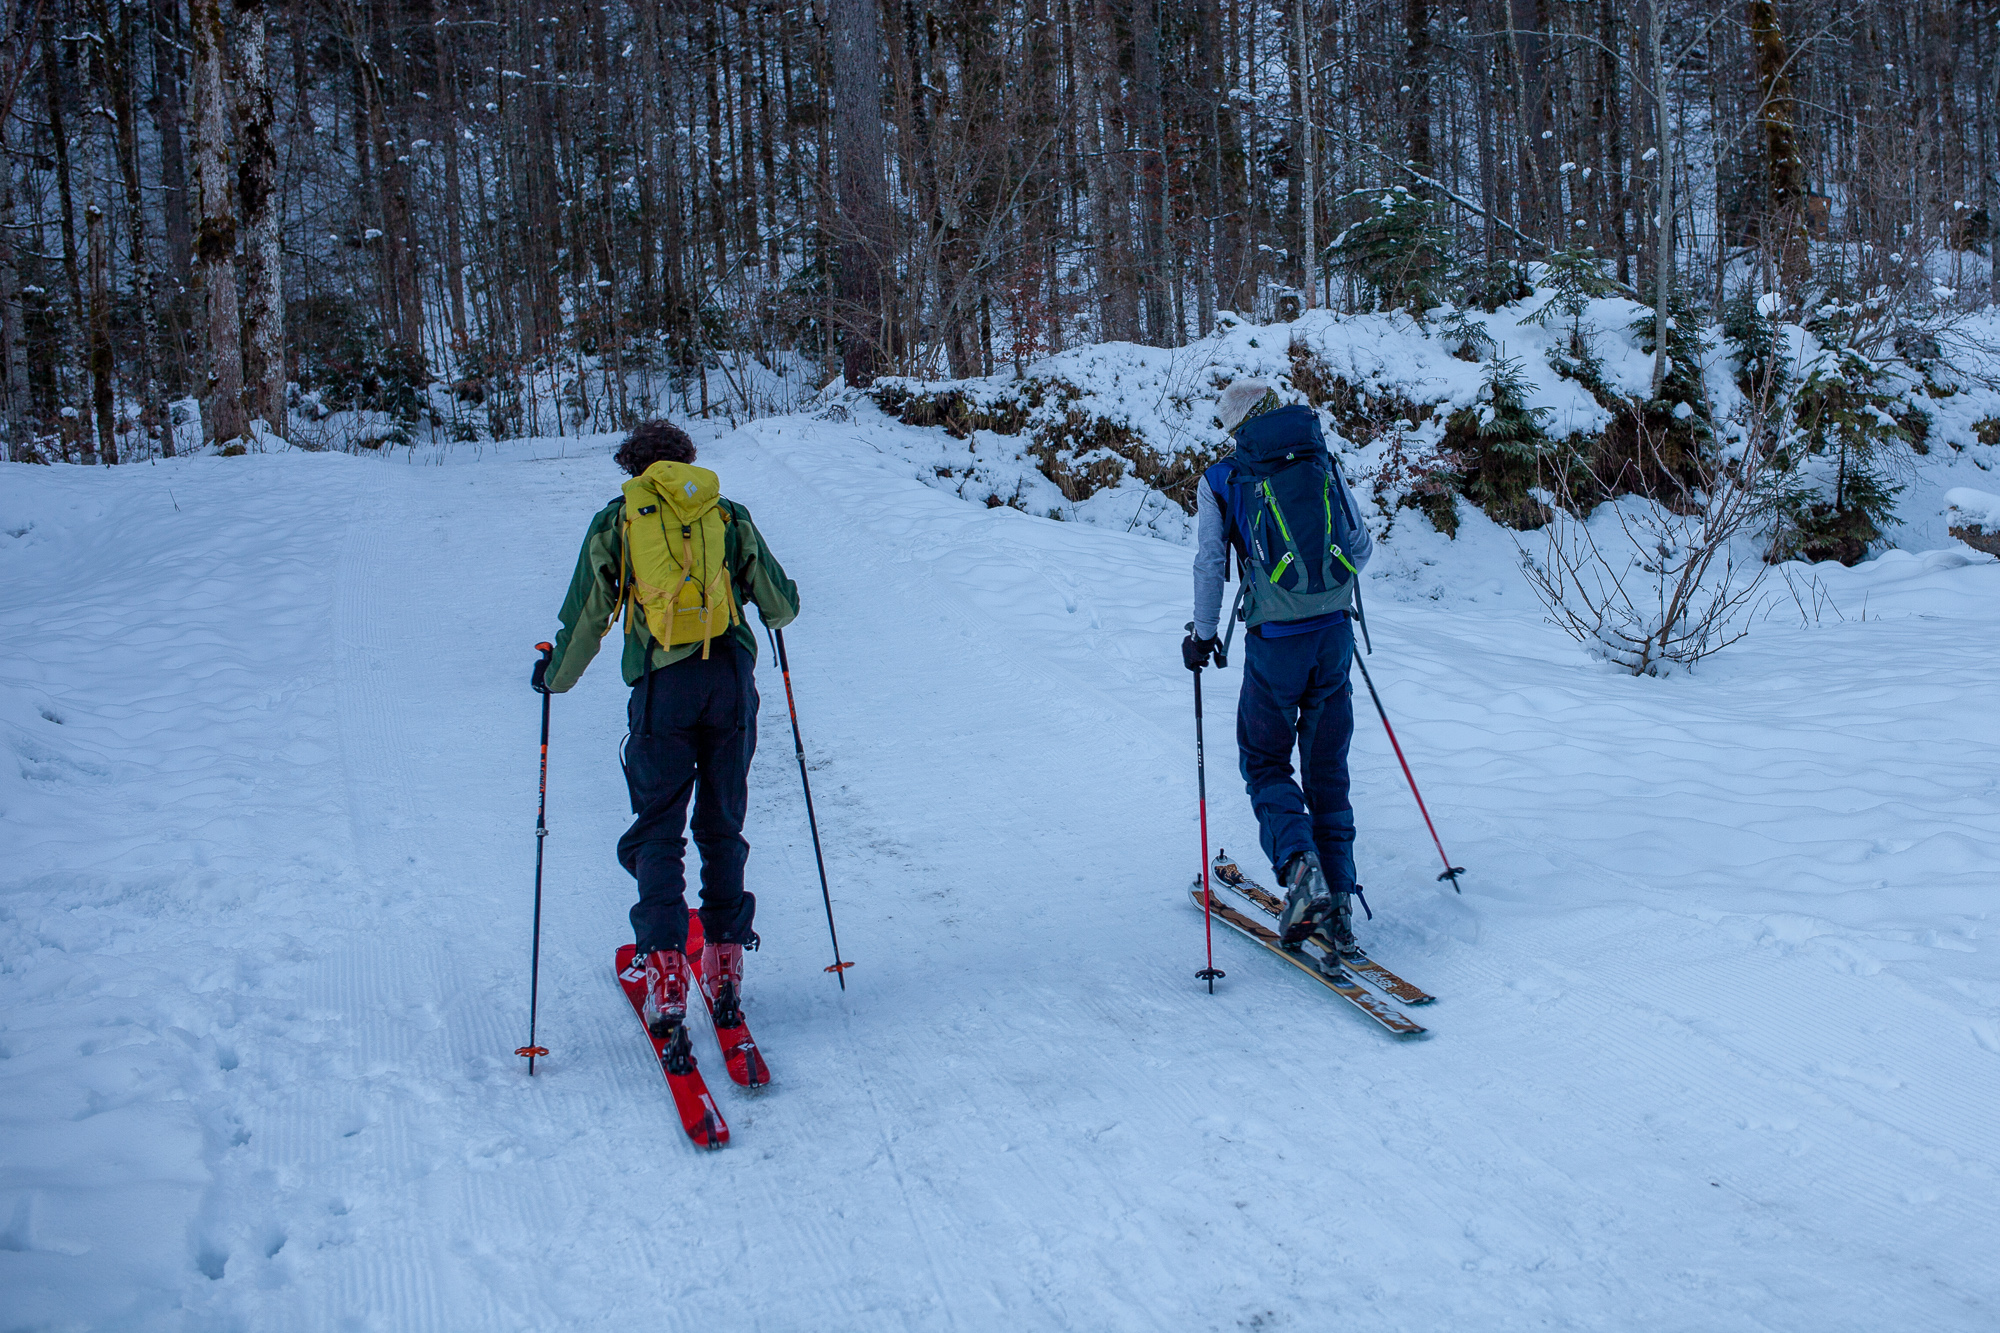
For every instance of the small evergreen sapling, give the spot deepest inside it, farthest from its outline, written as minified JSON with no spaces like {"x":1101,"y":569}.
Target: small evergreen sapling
{"x":1400,"y":252}
{"x":1836,"y":497}
{"x":1506,"y":446}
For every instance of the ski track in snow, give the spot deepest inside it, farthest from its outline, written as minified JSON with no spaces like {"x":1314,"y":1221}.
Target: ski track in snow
{"x":1717,"y":1048}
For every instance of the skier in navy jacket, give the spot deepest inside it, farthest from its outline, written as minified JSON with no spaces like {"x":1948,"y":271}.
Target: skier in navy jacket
{"x":1276,"y":502}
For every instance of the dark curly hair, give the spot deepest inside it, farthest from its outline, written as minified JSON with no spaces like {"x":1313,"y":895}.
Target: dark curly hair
{"x":651,"y":442}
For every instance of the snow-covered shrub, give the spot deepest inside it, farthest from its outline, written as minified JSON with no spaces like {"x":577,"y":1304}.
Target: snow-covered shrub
{"x":1651,"y":584}
{"x":1503,"y":451}
{"x":1836,"y":496}
{"x":1973,"y":517}
{"x":1076,"y":444}
{"x":1400,"y":252}
{"x":341,"y":352}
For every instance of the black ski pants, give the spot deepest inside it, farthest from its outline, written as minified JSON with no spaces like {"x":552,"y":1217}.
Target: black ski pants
{"x":693,"y":731}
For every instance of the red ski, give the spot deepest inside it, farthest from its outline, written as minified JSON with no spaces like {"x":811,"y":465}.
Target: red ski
{"x":739,"y":1048}
{"x":703,"y":1123}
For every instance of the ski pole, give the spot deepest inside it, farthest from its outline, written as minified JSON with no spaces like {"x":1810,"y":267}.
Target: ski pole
{"x":1211,"y":972}
{"x":1451,"y":872}
{"x":531,"y":1050}
{"x":839,"y":968}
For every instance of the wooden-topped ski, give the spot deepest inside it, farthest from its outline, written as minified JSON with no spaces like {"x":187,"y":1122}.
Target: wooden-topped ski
{"x":1328,"y":973}
{"x":739,"y":1048}
{"x":1397,"y":989}
{"x":703,"y":1123}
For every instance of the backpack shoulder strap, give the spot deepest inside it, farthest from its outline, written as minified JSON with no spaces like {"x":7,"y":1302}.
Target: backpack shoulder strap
{"x":1222,"y":477}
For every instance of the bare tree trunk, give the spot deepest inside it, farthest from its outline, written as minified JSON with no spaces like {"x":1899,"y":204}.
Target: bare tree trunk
{"x":120,"y":68}
{"x":215,"y":234}
{"x":1664,"y":263}
{"x":1527,"y":23}
{"x":257,"y":179}
{"x":102,"y":415}
{"x":60,"y":139}
{"x":1417,"y":74}
{"x":13,"y":332}
{"x":1783,"y":225}
{"x":1111,"y":211}
{"x":1302,"y":92}
{"x":1645,"y":121}
{"x":865,"y":242}
{"x":1617,"y":191}
{"x":168,"y":118}
{"x":454,"y":240}
{"x":1150,"y":141}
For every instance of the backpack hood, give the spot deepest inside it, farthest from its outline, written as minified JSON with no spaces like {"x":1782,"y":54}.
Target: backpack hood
{"x":1274,"y":440}
{"x":686,"y":490}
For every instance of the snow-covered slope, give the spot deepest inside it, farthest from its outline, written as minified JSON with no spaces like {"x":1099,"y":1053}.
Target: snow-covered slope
{"x":1718,"y":1045}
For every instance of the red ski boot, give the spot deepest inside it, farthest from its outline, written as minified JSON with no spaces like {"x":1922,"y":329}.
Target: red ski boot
{"x":666,"y":1003}
{"x":722,"y":977}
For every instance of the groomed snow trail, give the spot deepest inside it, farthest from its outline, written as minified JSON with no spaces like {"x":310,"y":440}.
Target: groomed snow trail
{"x":1717,"y":1048}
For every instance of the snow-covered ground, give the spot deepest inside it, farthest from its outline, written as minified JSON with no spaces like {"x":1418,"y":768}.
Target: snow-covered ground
{"x":1717,"y":1048}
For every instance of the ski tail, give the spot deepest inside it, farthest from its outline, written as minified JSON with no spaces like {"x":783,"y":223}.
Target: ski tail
{"x":1326,"y":971}
{"x":739,"y":1049}
{"x":1227,"y":873}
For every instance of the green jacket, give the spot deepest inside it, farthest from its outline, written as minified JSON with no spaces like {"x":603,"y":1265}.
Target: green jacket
{"x":593,"y":598}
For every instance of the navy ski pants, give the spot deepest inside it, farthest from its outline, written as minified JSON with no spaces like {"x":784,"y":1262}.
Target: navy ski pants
{"x":693,"y":731}
{"x":1295,"y":692}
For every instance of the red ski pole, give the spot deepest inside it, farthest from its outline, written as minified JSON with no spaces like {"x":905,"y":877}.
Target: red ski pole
{"x":1211,"y":972}
{"x":1451,"y":872}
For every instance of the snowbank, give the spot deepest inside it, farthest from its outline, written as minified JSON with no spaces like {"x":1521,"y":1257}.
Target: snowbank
{"x":1974,"y":518}
{"x":1115,"y":434}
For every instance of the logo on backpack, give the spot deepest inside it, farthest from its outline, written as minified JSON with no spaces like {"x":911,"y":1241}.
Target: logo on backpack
{"x":676,"y":555}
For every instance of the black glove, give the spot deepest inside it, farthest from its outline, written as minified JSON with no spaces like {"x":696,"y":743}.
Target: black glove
{"x":537,"y":680}
{"x":1195,"y":652}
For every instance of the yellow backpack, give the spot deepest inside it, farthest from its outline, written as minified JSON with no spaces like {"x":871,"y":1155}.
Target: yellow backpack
{"x":676,"y":570}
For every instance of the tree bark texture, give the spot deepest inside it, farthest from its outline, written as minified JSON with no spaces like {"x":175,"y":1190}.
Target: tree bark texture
{"x":102,"y":413}
{"x":866,"y":244}
{"x":215,"y":231}
{"x":257,"y":184}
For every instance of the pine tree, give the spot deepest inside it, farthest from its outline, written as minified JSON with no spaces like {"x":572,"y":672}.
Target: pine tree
{"x":1400,"y":252}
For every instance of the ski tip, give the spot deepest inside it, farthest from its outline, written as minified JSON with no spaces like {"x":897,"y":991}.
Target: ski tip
{"x":710,"y":1133}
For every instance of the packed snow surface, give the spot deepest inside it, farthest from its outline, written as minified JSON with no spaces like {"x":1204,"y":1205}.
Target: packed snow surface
{"x":1717,"y":1045}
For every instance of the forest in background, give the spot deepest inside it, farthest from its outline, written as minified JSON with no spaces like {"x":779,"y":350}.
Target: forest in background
{"x":507,"y":217}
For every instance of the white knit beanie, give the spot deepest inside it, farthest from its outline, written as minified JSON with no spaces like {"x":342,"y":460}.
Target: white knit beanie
{"x":1238,"y":399}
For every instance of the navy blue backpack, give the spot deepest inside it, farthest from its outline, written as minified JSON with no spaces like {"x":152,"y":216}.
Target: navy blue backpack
{"x":1289,"y":516}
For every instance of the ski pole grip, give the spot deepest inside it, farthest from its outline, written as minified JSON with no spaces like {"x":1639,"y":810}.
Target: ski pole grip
{"x":536,"y":679}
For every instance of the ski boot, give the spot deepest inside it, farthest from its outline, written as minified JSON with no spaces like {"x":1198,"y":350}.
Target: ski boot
{"x":665,"y":1009}
{"x":1308,"y":901}
{"x":722,"y":968}
{"x":1336,"y":930}
{"x":723,"y":946}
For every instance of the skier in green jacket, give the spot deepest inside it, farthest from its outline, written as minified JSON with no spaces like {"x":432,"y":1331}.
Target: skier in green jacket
{"x":693,"y":708}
